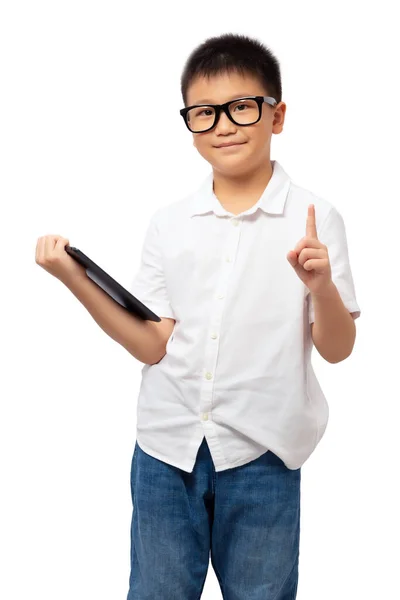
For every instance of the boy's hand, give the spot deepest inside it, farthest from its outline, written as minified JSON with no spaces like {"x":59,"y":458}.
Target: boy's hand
{"x":51,"y":255}
{"x":310,"y":258}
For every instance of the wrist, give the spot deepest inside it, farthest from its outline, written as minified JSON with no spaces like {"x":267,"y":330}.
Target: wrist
{"x":327,"y":292}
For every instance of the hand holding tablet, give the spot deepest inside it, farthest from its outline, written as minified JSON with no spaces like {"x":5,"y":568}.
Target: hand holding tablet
{"x":112,"y":287}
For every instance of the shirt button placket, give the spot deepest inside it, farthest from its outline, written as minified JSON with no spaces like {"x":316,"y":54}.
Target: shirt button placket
{"x":211,"y":350}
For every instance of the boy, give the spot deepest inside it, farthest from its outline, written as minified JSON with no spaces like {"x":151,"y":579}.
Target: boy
{"x":247,"y":274}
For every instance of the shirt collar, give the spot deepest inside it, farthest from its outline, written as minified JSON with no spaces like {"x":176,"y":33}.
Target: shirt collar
{"x":272,"y":199}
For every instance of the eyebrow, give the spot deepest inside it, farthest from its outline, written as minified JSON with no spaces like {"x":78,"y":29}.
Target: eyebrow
{"x":207,"y":101}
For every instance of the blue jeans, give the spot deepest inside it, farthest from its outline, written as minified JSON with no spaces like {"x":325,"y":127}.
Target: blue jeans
{"x":247,"y":518}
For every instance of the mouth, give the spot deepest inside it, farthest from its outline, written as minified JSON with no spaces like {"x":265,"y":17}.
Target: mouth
{"x":230,"y":145}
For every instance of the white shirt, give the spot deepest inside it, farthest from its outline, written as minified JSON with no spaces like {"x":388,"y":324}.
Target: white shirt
{"x":237,"y":367}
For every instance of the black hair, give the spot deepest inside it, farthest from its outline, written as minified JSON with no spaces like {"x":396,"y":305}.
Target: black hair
{"x":230,"y":53}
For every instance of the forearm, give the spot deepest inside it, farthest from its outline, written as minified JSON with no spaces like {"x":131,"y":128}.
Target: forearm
{"x":334,"y":329}
{"x":141,"y":338}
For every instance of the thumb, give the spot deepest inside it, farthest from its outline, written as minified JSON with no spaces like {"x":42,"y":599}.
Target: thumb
{"x":294,"y":261}
{"x":61,"y":243}
{"x":292,"y":258}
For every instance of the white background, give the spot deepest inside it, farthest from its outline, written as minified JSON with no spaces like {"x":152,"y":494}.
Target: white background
{"x":79,"y":159}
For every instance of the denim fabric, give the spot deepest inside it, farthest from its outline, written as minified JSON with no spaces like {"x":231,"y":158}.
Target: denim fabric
{"x":246,"y":519}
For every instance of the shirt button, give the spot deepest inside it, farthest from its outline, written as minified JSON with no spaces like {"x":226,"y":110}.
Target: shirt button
{"x":228,"y":259}
{"x":205,"y":416}
{"x":208,"y":375}
{"x":234,"y":222}
{"x":220,"y":296}
{"x":214,"y":336}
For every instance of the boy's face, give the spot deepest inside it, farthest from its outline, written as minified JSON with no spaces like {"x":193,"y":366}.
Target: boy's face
{"x":255,"y":139}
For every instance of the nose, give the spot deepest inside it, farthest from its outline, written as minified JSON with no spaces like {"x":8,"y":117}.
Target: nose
{"x":224,"y":124}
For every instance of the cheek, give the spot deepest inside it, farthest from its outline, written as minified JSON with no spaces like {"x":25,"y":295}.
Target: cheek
{"x":203,"y":149}
{"x":261,"y":132}
{"x":199,"y":142}
{"x":261,"y":138}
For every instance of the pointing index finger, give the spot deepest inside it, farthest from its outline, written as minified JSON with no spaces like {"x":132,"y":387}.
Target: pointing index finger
{"x":311,"y":228}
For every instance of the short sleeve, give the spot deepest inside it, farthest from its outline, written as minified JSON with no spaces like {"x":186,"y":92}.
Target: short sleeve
{"x":148,"y":284}
{"x":333,"y":235}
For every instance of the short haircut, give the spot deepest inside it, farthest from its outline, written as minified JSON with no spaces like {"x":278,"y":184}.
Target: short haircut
{"x":233,"y":53}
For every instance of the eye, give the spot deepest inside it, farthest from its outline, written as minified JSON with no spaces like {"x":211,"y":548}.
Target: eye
{"x":205,"y":110}
{"x":241,"y":105}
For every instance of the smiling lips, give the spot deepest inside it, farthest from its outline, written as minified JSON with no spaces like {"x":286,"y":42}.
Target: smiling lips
{"x":230,"y":145}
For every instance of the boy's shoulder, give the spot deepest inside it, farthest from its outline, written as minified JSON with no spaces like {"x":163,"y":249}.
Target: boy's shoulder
{"x":302,"y":197}
{"x":305,"y":195}
{"x":177,"y":210}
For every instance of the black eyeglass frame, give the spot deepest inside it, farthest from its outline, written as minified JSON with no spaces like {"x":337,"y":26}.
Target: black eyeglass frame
{"x":225,"y":107}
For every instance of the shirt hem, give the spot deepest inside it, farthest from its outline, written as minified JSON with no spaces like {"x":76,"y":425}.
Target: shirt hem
{"x":161,"y":457}
{"x":218,"y":468}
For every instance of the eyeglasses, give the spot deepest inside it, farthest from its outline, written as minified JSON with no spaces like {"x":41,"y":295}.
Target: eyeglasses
{"x":241,"y":111}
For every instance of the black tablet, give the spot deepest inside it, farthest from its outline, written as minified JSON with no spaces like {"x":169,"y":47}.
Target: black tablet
{"x":112,"y":287}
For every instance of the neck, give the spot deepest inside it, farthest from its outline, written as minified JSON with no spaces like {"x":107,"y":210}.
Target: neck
{"x":243,"y":187}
